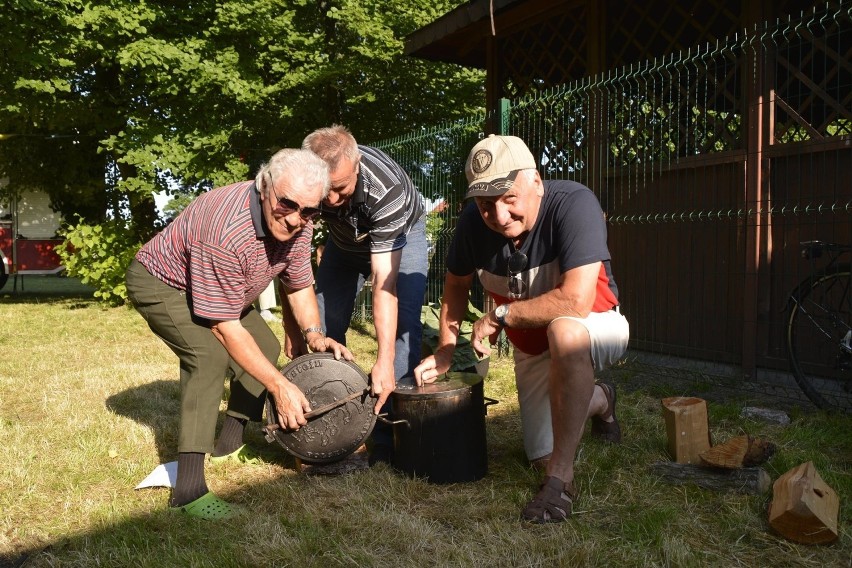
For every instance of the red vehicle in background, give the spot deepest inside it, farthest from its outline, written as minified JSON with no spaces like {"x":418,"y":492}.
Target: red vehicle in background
{"x":28,"y":238}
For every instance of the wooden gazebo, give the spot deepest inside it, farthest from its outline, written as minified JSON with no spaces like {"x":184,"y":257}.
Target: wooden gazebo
{"x":526,"y":45}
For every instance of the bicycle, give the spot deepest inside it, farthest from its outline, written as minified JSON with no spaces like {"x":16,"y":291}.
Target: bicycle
{"x":819,"y":329}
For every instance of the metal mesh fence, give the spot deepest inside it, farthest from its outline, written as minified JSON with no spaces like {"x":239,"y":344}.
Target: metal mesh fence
{"x":710,"y":164}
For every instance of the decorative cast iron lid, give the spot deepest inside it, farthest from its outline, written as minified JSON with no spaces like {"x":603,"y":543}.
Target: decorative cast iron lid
{"x":341,"y":416}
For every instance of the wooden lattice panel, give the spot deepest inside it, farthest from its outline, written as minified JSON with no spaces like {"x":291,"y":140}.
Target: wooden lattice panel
{"x":813,"y":94}
{"x":704,"y":98}
{"x":556,"y":128}
{"x":640,"y":31}
{"x":554,"y":47}
{"x":543,"y":53}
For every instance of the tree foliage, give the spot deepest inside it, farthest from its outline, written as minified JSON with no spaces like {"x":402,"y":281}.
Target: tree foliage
{"x":175,"y":205}
{"x":109,"y":102}
{"x":99,"y":255}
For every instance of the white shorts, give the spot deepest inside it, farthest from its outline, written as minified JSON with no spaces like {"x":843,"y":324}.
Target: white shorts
{"x":608,"y":332}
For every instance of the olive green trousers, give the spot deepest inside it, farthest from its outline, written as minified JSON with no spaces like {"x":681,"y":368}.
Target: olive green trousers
{"x":204,"y":362}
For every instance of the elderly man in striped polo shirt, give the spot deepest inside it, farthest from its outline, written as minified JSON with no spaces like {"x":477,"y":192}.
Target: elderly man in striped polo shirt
{"x":194,"y":283}
{"x":377,"y":230}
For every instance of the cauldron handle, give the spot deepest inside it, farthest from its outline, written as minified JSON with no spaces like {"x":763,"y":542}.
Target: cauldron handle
{"x":490,"y":401}
{"x":383,"y":418}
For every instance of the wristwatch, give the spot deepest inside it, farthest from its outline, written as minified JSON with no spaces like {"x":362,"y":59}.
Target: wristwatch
{"x":500,"y":313}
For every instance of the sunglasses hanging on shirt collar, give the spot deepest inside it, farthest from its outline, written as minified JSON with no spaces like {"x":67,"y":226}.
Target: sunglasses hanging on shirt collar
{"x":517,"y":264}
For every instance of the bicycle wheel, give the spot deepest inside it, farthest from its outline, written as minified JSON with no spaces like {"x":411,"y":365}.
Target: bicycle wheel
{"x":819,"y":337}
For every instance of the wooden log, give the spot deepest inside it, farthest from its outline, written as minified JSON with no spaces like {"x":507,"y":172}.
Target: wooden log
{"x":687,"y":428}
{"x":749,"y":480}
{"x":804,"y":508}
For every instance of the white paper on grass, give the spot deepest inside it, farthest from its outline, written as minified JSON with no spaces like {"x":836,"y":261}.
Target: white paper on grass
{"x":164,"y":475}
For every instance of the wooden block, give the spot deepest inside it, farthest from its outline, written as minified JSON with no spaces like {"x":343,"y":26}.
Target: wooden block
{"x":750,"y":480}
{"x":687,"y":428}
{"x":804,"y":509}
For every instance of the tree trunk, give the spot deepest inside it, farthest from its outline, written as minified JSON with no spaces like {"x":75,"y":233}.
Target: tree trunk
{"x":143,"y":209}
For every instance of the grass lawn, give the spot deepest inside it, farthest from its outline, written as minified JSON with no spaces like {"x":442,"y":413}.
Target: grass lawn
{"x":88,"y":407}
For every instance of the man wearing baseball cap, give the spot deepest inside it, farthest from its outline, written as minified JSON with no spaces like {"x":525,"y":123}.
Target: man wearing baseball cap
{"x":539,"y":249}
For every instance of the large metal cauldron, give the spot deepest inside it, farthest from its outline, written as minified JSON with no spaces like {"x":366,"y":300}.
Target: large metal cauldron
{"x":439,"y":428}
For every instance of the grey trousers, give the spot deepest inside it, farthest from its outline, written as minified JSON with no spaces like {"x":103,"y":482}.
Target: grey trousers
{"x":204,"y":362}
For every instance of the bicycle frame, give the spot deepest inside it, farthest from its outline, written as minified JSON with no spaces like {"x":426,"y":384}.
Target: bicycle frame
{"x":815,"y":249}
{"x":819,"y":330}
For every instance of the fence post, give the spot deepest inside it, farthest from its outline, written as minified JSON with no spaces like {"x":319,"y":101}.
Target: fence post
{"x":503,"y":107}
{"x":498,"y":123}
{"x":755,"y":131}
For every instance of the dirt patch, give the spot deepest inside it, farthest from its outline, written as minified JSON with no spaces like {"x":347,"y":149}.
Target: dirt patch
{"x":668,"y":376}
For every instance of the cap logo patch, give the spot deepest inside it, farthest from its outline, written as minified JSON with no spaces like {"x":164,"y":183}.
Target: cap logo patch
{"x":481,"y":161}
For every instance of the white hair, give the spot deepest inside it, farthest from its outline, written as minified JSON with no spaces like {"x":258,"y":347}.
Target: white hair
{"x":529,"y":174}
{"x":304,"y":168}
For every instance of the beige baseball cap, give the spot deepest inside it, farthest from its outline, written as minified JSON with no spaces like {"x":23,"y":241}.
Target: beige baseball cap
{"x":494,"y":163}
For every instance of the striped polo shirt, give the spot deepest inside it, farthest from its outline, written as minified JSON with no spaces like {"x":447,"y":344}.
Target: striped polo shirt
{"x":383,"y":208}
{"x":219,"y":251}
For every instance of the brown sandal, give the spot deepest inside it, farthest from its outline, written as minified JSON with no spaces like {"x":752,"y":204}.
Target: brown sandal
{"x":552,"y":504}
{"x":607,"y":431}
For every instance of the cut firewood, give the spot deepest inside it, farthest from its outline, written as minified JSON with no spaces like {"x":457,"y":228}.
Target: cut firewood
{"x":740,"y":451}
{"x":759,"y":452}
{"x":687,"y":429}
{"x":750,"y":480}
{"x":728,"y":455}
{"x":804,"y":508}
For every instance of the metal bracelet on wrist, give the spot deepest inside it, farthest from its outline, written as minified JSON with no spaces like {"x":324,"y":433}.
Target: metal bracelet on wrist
{"x":315,"y":329}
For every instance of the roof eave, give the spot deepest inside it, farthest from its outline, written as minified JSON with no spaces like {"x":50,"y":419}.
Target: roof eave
{"x":457,"y":36}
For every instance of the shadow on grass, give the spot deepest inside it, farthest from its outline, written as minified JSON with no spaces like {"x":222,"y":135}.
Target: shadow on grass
{"x":663,"y":376}
{"x":157,"y":405}
{"x":33,"y":289}
{"x":167,"y":536}
{"x":301,"y":534}
{"x":176,"y":539}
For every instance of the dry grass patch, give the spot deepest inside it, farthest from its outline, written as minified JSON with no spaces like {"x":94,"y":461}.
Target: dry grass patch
{"x":88,"y":407}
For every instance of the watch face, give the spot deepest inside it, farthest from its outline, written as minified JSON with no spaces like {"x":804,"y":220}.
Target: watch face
{"x":500,"y":312}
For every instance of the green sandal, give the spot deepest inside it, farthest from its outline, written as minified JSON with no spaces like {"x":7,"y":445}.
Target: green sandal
{"x":243,"y":454}
{"x":209,"y":507}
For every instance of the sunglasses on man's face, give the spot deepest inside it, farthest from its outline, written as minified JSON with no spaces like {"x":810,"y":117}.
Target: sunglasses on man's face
{"x":517,"y":263}
{"x":286,"y":206}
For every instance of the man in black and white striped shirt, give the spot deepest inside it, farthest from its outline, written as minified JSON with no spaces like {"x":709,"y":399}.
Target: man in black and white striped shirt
{"x":377,"y":230}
